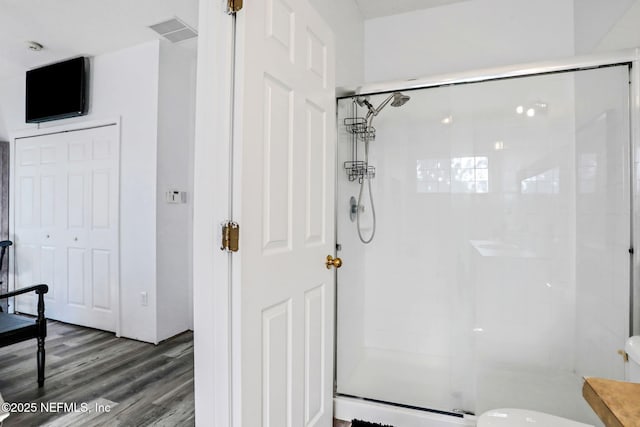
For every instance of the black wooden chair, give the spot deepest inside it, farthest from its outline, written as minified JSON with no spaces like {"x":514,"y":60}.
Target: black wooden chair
{"x":4,"y":246}
{"x":15,"y":329}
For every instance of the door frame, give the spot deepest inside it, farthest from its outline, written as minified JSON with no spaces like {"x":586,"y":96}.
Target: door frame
{"x":51,"y":130}
{"x":214,"y":381}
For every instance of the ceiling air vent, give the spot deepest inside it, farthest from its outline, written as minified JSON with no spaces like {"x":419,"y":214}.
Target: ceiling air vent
{"x":174,"y":30}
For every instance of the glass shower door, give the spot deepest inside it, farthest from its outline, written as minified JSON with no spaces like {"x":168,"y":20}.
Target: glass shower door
{"x":499,"y":271}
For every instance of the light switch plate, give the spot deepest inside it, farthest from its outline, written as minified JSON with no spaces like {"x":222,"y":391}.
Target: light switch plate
{"x":176,"y":196}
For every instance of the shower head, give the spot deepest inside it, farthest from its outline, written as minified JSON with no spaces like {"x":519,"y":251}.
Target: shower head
{"x":399,"y":99}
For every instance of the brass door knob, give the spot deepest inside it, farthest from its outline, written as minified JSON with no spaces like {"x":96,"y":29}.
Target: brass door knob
{"x":333,"y":262}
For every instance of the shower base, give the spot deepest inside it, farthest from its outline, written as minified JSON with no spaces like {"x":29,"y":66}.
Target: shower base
{"x":348,"y":408}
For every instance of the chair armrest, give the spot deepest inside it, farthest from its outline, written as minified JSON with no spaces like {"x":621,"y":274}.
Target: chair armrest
{"x":39,"y":289}
{"x":5,"y":243}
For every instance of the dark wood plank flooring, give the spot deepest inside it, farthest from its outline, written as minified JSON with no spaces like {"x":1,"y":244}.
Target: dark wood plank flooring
{"x":143,"y":384}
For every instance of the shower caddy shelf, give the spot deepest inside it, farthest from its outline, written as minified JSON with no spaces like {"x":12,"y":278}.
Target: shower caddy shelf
{"x":357,"y":170}
{"x":358,"y":126}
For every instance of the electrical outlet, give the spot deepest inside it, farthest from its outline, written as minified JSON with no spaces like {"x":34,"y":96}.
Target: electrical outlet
{"x":144,"y":299}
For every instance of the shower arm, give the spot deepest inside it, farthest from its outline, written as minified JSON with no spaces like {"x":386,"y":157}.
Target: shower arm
{"x":397,"y":99}
{"x":375,"y":111}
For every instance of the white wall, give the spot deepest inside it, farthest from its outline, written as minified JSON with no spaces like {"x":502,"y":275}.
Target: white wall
{"x":594,"y":19}
{"x":466,"y":36}
{"x":625,"y":33}
{"x":151,"y":90}
{"x":344,"y":17}
{"x":125,"y":84}
{"x":176,"y":115}
{"x":11,"y":106}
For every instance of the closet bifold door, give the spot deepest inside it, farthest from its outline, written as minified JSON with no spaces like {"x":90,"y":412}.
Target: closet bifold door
{"x":66,"y":224}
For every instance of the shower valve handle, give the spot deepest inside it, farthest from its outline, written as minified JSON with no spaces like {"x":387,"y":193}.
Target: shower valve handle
{"x":333,"y":262}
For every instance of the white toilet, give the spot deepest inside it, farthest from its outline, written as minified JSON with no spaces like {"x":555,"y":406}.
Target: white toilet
{"x":526,"y":418}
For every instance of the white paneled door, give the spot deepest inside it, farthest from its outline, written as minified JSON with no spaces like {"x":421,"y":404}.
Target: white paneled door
{"x":285,"y":164}
{"x":66,"y":224}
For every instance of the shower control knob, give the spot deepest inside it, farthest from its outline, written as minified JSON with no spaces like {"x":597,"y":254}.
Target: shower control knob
{"x":333,"y":262}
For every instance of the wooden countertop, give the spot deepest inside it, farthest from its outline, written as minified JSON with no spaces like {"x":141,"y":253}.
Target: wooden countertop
{"x":617,"y":403}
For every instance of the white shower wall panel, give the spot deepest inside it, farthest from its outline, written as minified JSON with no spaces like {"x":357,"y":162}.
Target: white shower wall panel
{"x":602,"y":222}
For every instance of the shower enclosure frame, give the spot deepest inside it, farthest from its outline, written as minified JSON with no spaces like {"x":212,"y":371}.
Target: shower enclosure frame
{"x":349,"y":407}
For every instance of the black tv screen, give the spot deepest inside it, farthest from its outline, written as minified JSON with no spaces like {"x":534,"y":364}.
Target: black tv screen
{"x":57,"y":91}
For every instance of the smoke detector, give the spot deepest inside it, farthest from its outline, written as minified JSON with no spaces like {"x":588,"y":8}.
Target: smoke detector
{"x":174,"y":30}
{"x":34,"y":46}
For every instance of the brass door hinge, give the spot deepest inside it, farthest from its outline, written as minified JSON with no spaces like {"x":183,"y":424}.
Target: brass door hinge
{"x":233,"y":6}
{"x":230,"y":236}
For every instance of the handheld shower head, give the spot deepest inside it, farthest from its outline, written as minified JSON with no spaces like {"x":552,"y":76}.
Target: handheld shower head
{"x":397,"y":99}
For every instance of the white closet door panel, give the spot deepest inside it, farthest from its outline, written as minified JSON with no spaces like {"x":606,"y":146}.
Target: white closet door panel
{"x":100,"y":279}
{"x":47,"y":200}
{"x":76,"y":202}
{"x":48,"y":270}
{"x":27,"y":273}
{"x":26,"y":201}
{"x":76,"y":277}
{"x":100,"y":192}
{"x":37,"y":192}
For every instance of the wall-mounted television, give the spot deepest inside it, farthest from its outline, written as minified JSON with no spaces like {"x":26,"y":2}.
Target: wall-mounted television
{"x":57,"y":91}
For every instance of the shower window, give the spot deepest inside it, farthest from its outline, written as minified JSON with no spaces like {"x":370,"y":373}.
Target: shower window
{"x":499,"y":271}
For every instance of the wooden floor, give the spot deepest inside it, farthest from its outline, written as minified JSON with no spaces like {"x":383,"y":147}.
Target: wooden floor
{"x":141,"y":383}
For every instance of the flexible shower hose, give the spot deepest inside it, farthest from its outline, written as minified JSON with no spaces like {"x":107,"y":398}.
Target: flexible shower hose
{"x":366,"y":178}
